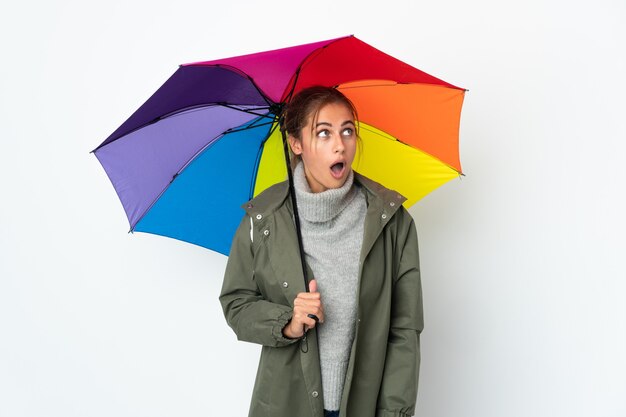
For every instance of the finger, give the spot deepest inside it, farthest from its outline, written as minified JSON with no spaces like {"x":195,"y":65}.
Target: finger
{"x":313,"y":285}
{"x":308,"y":306}
{"x":307,"y":303}
{"x":302,"y":319}
{"x":313,"y":312}
{"x":309,"y":323}
{"x":320,"y":315}
{"x":309,"y":295}
{"x":317,"y":312}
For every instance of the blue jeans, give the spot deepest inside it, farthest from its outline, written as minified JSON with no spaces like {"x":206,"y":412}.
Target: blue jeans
{"x":331,"y":413}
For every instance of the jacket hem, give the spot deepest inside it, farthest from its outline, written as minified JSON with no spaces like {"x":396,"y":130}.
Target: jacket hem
{"x":388,"y":413}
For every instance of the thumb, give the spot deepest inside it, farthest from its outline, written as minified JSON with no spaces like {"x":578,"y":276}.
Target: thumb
{"x":313,"y":286}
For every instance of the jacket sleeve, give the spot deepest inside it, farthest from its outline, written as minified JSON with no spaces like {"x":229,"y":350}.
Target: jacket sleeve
{"x":253,"y":318}
{"x":398,"y":392}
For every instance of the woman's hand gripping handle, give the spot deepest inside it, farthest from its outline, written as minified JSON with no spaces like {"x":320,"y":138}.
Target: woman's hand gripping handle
{"x":307,"y":307}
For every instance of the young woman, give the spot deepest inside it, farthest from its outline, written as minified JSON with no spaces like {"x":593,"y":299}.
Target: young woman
{"x":350,"y":346}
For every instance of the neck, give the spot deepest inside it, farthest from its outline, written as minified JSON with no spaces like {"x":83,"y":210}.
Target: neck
{"x":325,"y":205}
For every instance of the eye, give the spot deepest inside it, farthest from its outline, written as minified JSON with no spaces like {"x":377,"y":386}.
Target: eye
{"x":348,"y":131}
{"x":323,"y":134}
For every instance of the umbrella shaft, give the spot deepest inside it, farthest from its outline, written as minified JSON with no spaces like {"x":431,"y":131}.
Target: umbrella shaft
{"x":292,"y":192}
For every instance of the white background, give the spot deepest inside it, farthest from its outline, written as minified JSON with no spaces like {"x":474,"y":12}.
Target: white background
{"x":522,"y":264}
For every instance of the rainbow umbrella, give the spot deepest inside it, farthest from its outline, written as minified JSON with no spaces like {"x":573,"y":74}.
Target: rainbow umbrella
{"x":208,"y":139}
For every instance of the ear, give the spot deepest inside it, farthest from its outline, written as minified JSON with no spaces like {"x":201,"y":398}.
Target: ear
{"x":295,"y":144}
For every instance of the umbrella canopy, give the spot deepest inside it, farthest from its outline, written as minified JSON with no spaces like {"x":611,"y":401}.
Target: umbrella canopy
{"x":207,"y":140}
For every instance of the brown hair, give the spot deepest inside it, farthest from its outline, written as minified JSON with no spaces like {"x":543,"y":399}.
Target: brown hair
{"x":307,"y":103}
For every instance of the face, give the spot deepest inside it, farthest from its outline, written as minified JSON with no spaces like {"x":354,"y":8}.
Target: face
{"x":327,"y":149}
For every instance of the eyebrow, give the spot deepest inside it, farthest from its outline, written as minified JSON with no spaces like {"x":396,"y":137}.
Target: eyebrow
{"x":347,"y":122}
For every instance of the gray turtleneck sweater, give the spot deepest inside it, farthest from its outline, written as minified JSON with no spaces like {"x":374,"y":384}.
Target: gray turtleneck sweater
{"x":332,"y":234}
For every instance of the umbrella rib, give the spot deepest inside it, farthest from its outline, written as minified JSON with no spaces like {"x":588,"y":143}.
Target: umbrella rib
{"x":378,"y":132}
{"x":307,"y":60}
{"x":258,"y":161}
{"x":251,"y":126}
{"x":182,"y":168}
{"x":394,"y":139}
{"x":249,"y":111}
{"x":293,"y":87}
{"x":245,"y":75}
{"x":189,"y":108}
{"x":210,"y":143}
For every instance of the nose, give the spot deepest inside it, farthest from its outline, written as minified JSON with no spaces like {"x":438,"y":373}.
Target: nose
{"x":339,"y":147}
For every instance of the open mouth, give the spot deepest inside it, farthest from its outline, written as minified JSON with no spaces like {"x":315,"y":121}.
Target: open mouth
{"x":338,"y":169}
